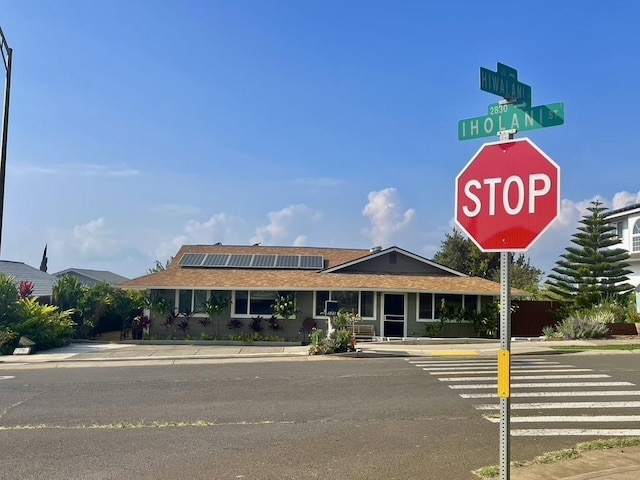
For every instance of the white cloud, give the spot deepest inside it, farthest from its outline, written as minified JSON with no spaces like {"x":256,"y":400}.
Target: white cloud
{"x":78,"y":169}
{"x":301,"y":241}
{"x":93,"y":240}
{"x":624,"y":199}
{"x":284,"y":225}
{"x":386,"y":217}
{"x":221,"y":227}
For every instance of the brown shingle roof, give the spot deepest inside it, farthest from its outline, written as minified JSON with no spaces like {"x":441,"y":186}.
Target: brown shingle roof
{"x":176,"y":277}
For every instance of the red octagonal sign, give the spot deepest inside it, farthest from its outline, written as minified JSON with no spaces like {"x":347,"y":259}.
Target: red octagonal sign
{"x":507,"y":195}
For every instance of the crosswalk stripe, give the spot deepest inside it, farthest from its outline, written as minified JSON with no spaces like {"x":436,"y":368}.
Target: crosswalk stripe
{"x":480,"y":362}
{"x":592,"y":432}
{"x":566,"y":419}
{"x":479,"y":372}
{"x":524,"y":377}
{"x":596,"y":393}
{"x":553,"y":380}
{"x":558,"y":405}
{"x":544,"y":385}
{"x":6,"y":377}
{"x":492,"y":367}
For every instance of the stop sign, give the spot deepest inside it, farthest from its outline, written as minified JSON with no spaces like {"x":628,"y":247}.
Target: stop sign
{"x":507,"y":195}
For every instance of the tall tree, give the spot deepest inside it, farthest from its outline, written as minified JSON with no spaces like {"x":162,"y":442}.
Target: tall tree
{"x":593,"y":270}
{"x":460,"y":253}
{"x":43,"y":262}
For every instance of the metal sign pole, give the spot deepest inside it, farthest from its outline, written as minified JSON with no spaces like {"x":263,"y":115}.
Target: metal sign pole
{"x":504,"y":365}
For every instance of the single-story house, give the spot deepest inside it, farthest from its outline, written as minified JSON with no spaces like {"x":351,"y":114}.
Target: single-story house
{"x":90,"y":278}
{"x":398,"y":292}
{"x":627,"y":223}
{"x":42,"y":281}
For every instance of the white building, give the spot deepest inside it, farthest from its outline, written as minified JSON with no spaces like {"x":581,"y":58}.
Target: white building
{"x":627,"y":223}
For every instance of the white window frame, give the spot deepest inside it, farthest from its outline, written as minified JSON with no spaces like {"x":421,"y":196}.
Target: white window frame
{"x":193,"y":299}
{"x":360,"y":292}
{"x":635,"y":237}
{"x":433,"y":306}
{"x":249,"y":314}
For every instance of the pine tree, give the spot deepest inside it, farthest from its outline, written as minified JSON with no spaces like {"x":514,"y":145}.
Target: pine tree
{"x":594,"y":270}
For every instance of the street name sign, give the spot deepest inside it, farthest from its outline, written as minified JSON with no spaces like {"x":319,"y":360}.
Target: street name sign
{"x":504,"y":117}
{"x":504,"y":83}
{"x":507,"y":195}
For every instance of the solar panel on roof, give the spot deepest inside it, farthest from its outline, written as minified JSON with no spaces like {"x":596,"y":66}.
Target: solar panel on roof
{"x":192,"y":259}
{"x":287,"y":261}
{"x":263,"y":261}
{"x":239,"y":261}
{"x":315,"y":262}
{"x":215,"y":260}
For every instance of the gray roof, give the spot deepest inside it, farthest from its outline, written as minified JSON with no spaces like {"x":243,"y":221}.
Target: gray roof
{"x":20,"y":271}
{"x":97,"y":275}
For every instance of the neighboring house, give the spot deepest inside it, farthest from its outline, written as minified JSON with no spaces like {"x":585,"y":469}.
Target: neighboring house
{"x":398,"y":292}
{"x":627,"y":223}
{"x":43,"y":282}
{"x":90,"y":278}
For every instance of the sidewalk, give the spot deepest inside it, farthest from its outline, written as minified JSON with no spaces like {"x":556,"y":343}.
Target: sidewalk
{"x":185,"y":352}
{"x":613,"y":464}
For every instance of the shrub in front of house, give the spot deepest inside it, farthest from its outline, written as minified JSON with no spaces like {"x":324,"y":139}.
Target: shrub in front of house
{"x":340,"y":340}
{"x":578,"y":326}
{"x":24,"y":315}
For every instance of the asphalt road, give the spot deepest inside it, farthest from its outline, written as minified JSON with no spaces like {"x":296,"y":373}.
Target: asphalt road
{"x":336,"y":419}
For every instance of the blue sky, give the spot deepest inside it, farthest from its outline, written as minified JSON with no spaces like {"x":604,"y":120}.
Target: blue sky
{"x":138,"y":126}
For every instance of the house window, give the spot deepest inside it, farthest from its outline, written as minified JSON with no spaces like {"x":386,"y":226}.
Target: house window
{"x":619,"y":230}
{"x":452,"y":302}
{"x":347,"y":301}
{"x":321,"y":297}
{"x":199,"y":297}
{"x":190,"y":301}
{"x":428,"y":303}
{"x":248,"y":303}
{"x":185,"y":299}
{"x":635,"y":239}
{"x":170,"y":295}
{"x":471,"y":303}
{"x":361,"y":303}
{"x":367,"y":304}
{"x":425,"y":306}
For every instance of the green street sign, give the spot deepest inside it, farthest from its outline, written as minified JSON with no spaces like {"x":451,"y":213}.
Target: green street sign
{"x":504,"y":83}
{"x":510,"y":117}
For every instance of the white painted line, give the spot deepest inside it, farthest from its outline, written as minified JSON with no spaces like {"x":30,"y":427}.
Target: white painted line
{"x":596,"y":393}
{"x":564,"y":418}
{"x":479,"y":372}
{"x":523,"y":377}
{"x":492,"y":367}
{"x":471,"y":363}
{"x":545,"y":385}
{"x":591,"y":432}
{"x":6,"y":377}
{"x":559,"y":405}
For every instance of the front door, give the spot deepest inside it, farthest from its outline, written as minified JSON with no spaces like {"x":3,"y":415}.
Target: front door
{"x":393,"y":315}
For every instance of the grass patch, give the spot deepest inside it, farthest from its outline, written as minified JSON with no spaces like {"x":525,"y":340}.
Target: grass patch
{"x":584,"y":348}
{"x":566,"y":454}
{"x":131,"y":425}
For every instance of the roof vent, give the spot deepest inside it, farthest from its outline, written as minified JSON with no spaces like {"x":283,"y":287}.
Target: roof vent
{"x":375,"y":249}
